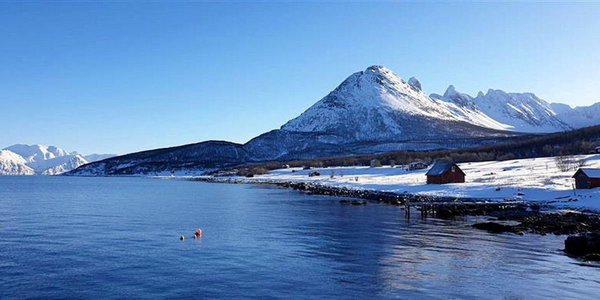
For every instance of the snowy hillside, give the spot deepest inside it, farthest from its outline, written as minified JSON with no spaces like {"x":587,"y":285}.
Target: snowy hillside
{"x":577,"y":117}
{"x":58,"y":165}
{"x":536,"y":179}
{"x":521,"y":112}
{"x":463,"y":105}
{"x":524,"y":112}
{"x":13,"y":164}
{"x":41,"y":160}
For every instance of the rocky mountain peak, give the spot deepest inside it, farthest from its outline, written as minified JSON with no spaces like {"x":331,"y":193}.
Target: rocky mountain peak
{"x":450,"y":92}
{"x":378,"y":69}
{"x":415,"y":83}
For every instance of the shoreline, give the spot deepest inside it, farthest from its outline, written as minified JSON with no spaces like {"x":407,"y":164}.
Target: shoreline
{"x":366,"y":194}
{"x":530,"y":216}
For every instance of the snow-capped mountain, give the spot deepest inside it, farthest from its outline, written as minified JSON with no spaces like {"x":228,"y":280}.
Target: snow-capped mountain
{"x":521,"y":112}
{"x":463,"y":106}
{"x":582,"y":116}
{"x":35,"y":153}
{"x":23,"y":159}
{"x":13,"y":164}
{"x":377,"y":105}
{"x":524,"y":112}
{"x":58,"y":165}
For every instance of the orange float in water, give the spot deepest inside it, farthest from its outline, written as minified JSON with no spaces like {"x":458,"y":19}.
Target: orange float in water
{"x":198,"y":233}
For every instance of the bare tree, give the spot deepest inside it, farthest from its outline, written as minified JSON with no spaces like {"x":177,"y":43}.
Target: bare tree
{"x":581,"y":163}
{"x":563,"y":163}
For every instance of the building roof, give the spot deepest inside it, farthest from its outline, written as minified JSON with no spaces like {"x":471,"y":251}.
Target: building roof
{"x":440,"y":168}
{"x":589,"y":172}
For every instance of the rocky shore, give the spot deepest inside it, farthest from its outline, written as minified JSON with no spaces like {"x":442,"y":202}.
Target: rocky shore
{"x":319,"y":189}
{"x":529,"y":216}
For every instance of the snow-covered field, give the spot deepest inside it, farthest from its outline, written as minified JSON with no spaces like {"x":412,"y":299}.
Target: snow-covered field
{"x":536,"y":179}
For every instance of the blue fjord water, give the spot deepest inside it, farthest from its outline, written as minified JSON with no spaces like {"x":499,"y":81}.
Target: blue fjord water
{"x":66,"y":237}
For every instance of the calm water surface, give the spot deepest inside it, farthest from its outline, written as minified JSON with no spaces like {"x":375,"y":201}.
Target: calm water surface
{"x":118,"y":237}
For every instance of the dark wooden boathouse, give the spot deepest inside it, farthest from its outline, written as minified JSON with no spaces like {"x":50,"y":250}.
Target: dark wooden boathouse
{"x":445,"y":172}
{"x":587,"y":178}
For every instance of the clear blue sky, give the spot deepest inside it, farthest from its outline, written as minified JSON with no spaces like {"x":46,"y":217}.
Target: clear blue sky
{"x":121,"y":77}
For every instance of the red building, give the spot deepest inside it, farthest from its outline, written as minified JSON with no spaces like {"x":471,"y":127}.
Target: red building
{"x":445,"y":172}
{"x":586,"y":178}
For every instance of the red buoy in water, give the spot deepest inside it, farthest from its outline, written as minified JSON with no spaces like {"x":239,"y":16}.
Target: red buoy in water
{"x":198,"y":233}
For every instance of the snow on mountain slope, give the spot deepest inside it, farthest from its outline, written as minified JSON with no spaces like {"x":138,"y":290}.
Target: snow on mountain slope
{"x":582,"y":116}
{"x":377,"y":90}
{"x":463,"y":105}
{"x":524,"y":112}
{"x":376,"y":104}
{"x":40,"y":160}
{"x":33,"y":153}
{"x":521,"y":112}
{"x":13,"y":164}
{"x":58,"y":165}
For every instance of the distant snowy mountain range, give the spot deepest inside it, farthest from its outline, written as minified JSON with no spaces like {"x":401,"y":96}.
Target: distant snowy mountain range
{"x":522,"y":112}
{"x":371,"y":111}
{"x":42,"y":160}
